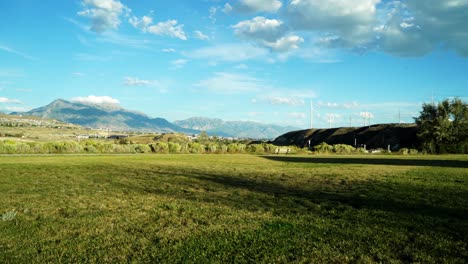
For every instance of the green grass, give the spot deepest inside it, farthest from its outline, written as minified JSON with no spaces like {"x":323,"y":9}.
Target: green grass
{"x":233,"y":208}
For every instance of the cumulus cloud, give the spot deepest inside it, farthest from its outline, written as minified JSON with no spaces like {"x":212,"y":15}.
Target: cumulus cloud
{"x":132,"y":81}
{"x":285,"y":44}
{"x":104,"y":14}
{"x":402,"y":28}
{"x":141,"y":23}
{"x":199,"y":35}
{"x":6,"y":100}
{"x":230,"y":83}
{"x":96,"y":99}
{"x":259,"y":28}
{"x":268,"y":33}
{"x":169,"y":28}
{"x":254,"y":6}
{"x":415,"y":28}
{"x":351,"y":21}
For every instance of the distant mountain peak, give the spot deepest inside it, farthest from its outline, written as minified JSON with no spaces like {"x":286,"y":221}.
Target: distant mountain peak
{"x":104,"y":115}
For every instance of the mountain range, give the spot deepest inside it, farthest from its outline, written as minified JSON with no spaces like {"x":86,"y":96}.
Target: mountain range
{"x":114,"y":117}
{"x":243,"y":129}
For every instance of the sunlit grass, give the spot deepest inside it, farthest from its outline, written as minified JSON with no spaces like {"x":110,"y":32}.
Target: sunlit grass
{"x":234,"y":208}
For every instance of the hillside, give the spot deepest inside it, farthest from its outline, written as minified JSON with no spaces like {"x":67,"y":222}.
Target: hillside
{"x":375,"y":136}
{"x":242,"y":129}
{"x":110,"y":116}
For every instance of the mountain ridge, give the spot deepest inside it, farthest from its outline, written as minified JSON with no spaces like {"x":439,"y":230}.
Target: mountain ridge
{"x":117,"y":118}
{"x":111,"y":116}
{"x":244,"y":129}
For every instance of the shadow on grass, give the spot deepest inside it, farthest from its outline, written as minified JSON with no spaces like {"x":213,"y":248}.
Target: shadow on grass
{"x":271,"y":195}
{"x":373,"y":161}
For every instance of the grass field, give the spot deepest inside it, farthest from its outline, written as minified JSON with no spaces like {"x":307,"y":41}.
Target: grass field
{"x":233,"y":208}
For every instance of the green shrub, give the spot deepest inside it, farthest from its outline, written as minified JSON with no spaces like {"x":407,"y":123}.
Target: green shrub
{"x":403,"y":151}
{"x":323,"y":148}
{"x":343,"y":148}
{"x":174,"y":148}
{"x":413,"y":152}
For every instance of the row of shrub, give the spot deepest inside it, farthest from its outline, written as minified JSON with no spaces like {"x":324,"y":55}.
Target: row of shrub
{"x":337,"y":148}
{"x":90,"y":146}
{"x":324,"y":148}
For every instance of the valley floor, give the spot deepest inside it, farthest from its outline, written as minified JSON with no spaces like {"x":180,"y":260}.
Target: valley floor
{"x":233,"y":208}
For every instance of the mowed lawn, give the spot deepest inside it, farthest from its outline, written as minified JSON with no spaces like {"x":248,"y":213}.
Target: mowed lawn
{"x":233,"y":208}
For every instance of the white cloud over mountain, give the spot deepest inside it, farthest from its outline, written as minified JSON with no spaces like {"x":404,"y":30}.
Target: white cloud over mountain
{"x":96,"y":99}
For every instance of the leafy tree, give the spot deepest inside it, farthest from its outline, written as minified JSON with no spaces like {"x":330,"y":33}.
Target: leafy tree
{"x":443,"y":128}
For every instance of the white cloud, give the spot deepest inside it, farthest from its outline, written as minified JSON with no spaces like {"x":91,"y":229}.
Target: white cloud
{"x":132,"y":81}
{"x":104,"y":14}
{"x":229,"y":83}
{"x":259,"y":28}
{"x":13,"y":51}
{"x":285,"y":44}
{"x":141,"y":23}
{"x":228,"y":52}
{"x":6,"y":100}
{"x":268,"y":33}
{"x":79,"y":74}
{"x":200,"y":35}
{"x":351,"y":21}
{"x":254,"y":6}
{"x":179,"y":63}
{"x":96,"y":99}
{"x":417,"y":27}
{"x":168,"y":28}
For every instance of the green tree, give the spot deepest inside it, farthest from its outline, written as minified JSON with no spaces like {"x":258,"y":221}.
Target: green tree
{"x":443,"y":128}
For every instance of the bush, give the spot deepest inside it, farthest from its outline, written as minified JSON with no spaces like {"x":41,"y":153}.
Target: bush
{"x":343,"y":148}
{"x":323,"y":148}
{"x":174,"y":148}
{"x":413,"y":151}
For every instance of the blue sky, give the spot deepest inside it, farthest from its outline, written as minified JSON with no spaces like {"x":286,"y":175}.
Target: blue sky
{"x":261,"y":60}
